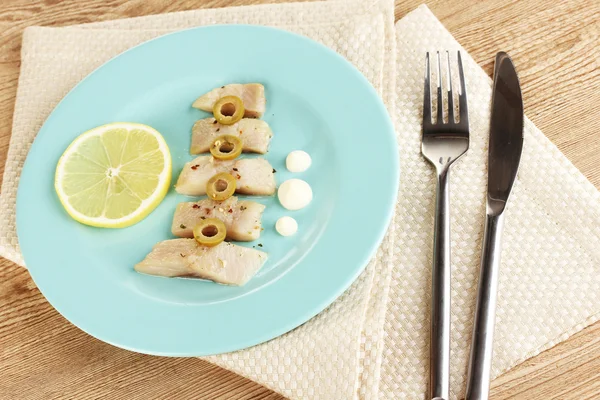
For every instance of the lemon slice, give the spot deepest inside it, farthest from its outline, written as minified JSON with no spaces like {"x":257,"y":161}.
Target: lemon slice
{"x":114,"y":175}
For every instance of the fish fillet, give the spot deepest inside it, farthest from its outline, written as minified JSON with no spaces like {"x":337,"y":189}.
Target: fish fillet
{"x":254,"y":175}
{"x":254,"y":133}
{"x":225,"y":263}
{"x":241,"y":218}
{"x":252,"y":95}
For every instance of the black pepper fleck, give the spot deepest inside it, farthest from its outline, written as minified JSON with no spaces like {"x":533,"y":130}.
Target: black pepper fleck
{"x":182,"y":226}
{"x":218,"y":129}
{"x":274,"y":170}
{"x":260,"y":245}
{"x":215,"y":121}
{"x":235,"y":169}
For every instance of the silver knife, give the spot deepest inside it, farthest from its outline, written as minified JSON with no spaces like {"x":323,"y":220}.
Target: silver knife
{"x":506,"y":144}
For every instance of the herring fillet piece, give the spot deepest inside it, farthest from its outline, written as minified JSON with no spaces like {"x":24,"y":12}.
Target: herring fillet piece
{"x":242,"y":219}
{"x":251,"y":94}
{"x":225,"y":263}
{"x":254,"y":176}
{"x":254,"y":133}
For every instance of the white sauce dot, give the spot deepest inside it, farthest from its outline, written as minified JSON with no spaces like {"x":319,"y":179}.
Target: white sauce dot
{"x":294,"y":194}
{"x":298,"y":161}
{"x":286,"y":226}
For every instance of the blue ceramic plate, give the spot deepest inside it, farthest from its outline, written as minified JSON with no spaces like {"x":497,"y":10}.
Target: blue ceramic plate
{"x":316,"y":101}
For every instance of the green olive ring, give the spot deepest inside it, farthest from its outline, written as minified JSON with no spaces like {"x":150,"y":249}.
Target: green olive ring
{"x":210,"y":232}
{"x":228,"y":110}
{"x":221,"y":186}
{"x":226,"y":147}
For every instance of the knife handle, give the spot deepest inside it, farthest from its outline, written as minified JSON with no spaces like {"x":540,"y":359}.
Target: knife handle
{"x":480,"y":361}
{"x":439,"y":356}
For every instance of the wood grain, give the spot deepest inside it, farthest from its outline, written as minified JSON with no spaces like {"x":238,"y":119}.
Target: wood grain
{"x":555,"y":47}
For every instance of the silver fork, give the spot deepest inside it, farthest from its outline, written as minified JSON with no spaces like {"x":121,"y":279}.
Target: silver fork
{"x":442,"y":144}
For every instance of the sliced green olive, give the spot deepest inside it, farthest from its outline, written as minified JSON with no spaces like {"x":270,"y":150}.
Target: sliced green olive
{"x":221,"y":186}
{"x":226,"y":147}
{"x":228,"y":110}
{"x":210,"y":232}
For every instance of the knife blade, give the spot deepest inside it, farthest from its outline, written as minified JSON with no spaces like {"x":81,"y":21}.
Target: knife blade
{"x":506,"y":133}
{"x":505,"y":148}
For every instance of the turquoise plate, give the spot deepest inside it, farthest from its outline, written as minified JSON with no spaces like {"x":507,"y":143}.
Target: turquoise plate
{"x":316,"y":101}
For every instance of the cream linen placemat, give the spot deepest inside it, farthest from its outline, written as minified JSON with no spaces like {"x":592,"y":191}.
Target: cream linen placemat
{"x":550,"y":276}
{"x":323,"y":358}
{"x":550,"y":272}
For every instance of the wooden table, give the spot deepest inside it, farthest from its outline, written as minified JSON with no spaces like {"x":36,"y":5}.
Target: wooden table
{"x":555,"y":45}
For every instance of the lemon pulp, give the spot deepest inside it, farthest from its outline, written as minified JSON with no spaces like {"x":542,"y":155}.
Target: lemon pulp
{"x":114,"y":175}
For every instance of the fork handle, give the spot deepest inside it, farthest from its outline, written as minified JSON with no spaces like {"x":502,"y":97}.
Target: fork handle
{"x":439,"y":357}
{"x":480,"y":361}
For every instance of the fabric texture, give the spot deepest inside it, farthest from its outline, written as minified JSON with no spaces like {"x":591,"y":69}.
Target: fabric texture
{"x":550,"y":269}
{"x":372,"y":342}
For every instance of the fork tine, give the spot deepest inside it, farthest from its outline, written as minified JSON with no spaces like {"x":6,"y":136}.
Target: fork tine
{"x":463,"y":111}
{"x":427,"y":94}
{"x":450,"y":95}
{"x":440,"y":100}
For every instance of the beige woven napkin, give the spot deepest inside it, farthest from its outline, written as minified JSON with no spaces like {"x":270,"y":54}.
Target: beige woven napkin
{"x":323,"y":358}
{"x":550,"y":273}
